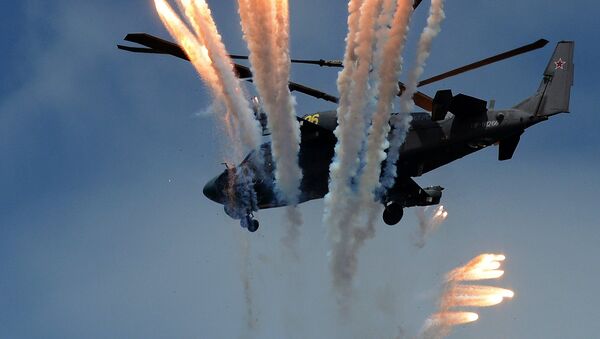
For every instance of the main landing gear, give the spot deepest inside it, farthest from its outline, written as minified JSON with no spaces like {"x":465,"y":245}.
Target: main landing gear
{"x":245,"y":217}
{"x":392,"y":214}
{"x":249,"y":223}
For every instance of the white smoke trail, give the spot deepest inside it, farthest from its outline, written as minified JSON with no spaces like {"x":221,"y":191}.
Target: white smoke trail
{"x":436,"y":16}
{"x":246,"y":277}
{"x":266,"y":31}
{"x":428,"y":223}
{"x":402,"y":122}
{"x":390,"y":67}
{"x":353,"y":81}
{"x":196,"y":51}
{"x":387,"y":81}
{"x":288,"y":129}
{"x":384,"y":23}
{"x":199,"y":15}
{"x":339,"y":190}
{"x":208,"y":55}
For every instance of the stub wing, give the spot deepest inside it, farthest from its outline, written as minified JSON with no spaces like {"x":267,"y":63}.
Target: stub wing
{"x":408,"y":193}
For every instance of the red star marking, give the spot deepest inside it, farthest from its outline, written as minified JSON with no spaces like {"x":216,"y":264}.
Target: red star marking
{"x":560,"y":64}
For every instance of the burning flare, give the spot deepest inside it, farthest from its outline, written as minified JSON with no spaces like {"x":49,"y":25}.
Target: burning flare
{"x":479,"y":296}
{"x":429,"y":223}
{"x":454,"y":318}
{"x":484,"y":266}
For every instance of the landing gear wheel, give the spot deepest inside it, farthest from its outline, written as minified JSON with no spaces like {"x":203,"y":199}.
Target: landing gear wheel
{"x":393,"y":214}
{"x":253,"y":226}
{"x":250,"y":223}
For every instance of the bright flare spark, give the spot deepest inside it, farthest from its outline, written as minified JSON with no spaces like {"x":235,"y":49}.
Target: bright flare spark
{"x":482,"y":291}
{"x":482,"y":267}
{"x":454,"y":318}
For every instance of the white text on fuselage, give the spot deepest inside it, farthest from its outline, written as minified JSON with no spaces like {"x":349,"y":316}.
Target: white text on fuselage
{"x":485,"y":124}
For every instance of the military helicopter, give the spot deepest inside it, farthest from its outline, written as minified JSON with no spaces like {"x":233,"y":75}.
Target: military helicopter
{"x":451,"y":127}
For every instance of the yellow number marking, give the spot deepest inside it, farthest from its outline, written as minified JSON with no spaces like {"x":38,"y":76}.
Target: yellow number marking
{"x":314,"y":118}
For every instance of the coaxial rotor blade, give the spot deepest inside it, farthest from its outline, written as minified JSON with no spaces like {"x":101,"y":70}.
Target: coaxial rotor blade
{"x":159,"y":46}
{"x":320,"y":62}
{"x":499,"y":57}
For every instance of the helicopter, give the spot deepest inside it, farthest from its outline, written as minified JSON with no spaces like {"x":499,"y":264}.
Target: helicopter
{"x":450,"y":127}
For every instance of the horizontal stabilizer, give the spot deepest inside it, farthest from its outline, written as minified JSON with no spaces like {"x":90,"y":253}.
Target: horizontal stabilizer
{"x":507,"y":147}
{"x":408,"y":193}
{"x":465,"y":106}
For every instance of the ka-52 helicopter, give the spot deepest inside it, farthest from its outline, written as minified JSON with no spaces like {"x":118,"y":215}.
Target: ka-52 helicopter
{"x":456,"y":126}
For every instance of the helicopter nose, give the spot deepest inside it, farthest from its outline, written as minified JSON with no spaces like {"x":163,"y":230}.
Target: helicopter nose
{"x":212,"y":191}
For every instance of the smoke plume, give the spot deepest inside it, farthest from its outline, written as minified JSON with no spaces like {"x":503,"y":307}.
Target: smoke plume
{"x":402,"y":121}
{"x":391,"y":41}
{"x":436,"y":16}
{"x":353,"y":81}
{"x":246,"y":277}
{"x":361,"y":132}
{"x":266,"y":30}
{"x":208,"y":55}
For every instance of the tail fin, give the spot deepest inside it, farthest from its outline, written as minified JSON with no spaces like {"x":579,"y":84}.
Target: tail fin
{"x":553,"y":95}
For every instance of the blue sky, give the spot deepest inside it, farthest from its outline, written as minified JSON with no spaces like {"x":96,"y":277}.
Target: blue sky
{"x":104,"y":231}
